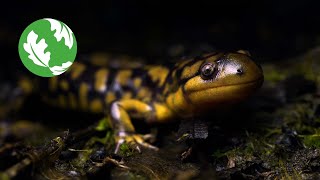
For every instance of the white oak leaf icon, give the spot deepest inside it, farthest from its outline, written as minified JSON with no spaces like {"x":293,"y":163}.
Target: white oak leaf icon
{"x":36,"y":50}
{"x":62,"y":31}
{"x":57,"y":70}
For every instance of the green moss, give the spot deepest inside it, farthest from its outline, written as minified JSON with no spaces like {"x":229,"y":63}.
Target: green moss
{"x":125,"y":150}
{"x":287,"y":171}
{"x":90,"y":147}
{"x":261,"y":146}
{"x":254,"y":147}
{"x":83,"y":157}
{"x":311,"y":140}
{"x":108,"y":140}
{"x":103,"y":125}
{"x":299,"y":115}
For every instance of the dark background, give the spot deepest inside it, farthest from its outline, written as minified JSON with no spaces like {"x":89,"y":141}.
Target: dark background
{"x":271,"y":30}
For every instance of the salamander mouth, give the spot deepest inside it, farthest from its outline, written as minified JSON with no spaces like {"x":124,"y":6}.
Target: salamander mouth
{"x":258,"y":82}
{"x":223,"y":95}
{"x":254,"y":83}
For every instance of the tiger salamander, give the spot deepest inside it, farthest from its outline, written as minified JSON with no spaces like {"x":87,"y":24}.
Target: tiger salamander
{"x":155,"y":93}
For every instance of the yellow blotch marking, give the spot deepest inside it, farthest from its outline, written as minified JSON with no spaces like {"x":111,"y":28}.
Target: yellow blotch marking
{"x":26,"y":85}
{"x":163,"y":113}
{"x":101,"y":78}
{"x":123,"y":77}
{"x":110,"y":97}
{"x":191,"y":71}
{"x":53,"y":84}
{"x":177,"y":102}
{"x":76,"y":70}
{"x":83,"y":95}
{"x":125,"y":121}
{"x":137,"y":109}
{"x":64,"y":85}
{"x":144,"y":93}
{"x":127,"y":95}
{"x":132,"y":104}
{"x":96,"y":106}
{"x":158,"y":73}
{"x":62,"y":101}
{"x":137,"y":82}
{"x":72,"y":101}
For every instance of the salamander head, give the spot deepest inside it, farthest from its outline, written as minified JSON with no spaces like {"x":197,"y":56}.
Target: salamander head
{"x":215,"y":80}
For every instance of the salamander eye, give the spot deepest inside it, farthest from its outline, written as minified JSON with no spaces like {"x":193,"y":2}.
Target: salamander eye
{"x":207,"y":71}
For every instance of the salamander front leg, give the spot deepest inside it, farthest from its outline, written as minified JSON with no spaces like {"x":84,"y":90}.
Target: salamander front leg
{"x":121,"y":111}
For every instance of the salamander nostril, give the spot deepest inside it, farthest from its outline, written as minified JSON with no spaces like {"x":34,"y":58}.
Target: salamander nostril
{"x":239,"y":71}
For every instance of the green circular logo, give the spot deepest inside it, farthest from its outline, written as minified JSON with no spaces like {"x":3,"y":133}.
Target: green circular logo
{"x":47,"y":47}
